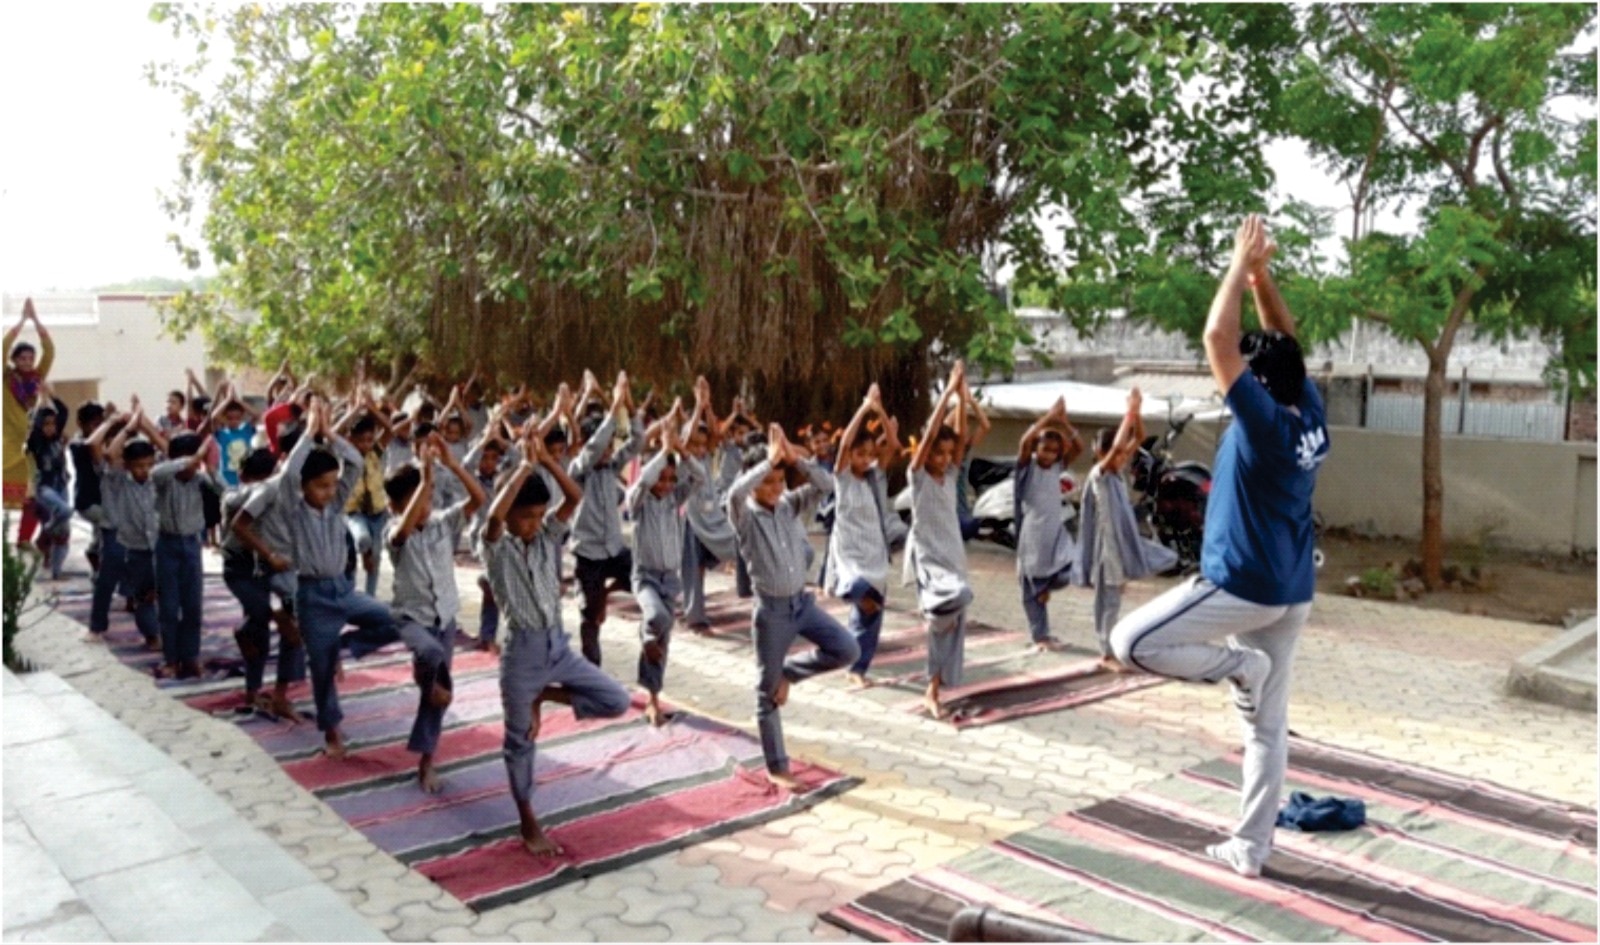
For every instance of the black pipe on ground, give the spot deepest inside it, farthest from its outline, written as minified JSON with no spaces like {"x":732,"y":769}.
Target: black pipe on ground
{"x":987,"y":924}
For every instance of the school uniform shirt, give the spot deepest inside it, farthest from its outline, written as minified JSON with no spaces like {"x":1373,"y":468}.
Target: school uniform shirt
{"x":526,"y":576}
{"x":180,"y":506}
{"x":233,"y":446}
{"x":396,"y":453}
{"x":316,"y":537}
{"x":704,"y":508}
{"x":1259,"y":536}
{"x":936,"y":554}
{"x":773,"y":541}
{"x":130,"y":508}
{"x":597,"y":526}
{"x":1044,"y":548}
{"x":657,"y":526}
{"x":858,"y":549}
{"x":235,"y":551}
{"x":424,"y":567}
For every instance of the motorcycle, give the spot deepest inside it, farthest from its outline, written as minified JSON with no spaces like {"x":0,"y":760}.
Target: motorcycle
{"x":994,"y":509}
{"x":1171,"y":496}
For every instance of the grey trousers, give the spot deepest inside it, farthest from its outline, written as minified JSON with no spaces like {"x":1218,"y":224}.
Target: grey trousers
{"x":431,"y":652}
{"x":655,"y":592}
{"x":778,"y":620}
{"x":1174,"y":636}
{"x":531,"y":661}
{"x":947,"y":646}
{"x":1107,"y":607}
{"x":1038,"y":614}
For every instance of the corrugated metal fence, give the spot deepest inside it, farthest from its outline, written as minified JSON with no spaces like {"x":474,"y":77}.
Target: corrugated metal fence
{"x":1531,"y":420}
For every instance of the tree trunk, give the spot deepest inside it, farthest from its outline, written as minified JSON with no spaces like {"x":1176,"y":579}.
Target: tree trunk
{"x":1433,"y":471}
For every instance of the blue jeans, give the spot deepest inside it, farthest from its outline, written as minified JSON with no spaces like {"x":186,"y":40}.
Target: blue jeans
{"x":324,"y":606}
{"x":533,"y":660}
{"x":863,"y":627}
{"x":778,"y":620}
{"x":179,"y":580}
{"x":133,"y":572}
{"x":58,"y":511}
{"x":254,"y":593}
{"x":367,"y":532}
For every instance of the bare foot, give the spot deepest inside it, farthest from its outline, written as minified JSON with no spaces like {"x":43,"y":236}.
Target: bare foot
{"x":334,"y":746}
{"x":700,"y":629}
{"x":166,"y":670}
{"x":1113,"y":665}
{"x":439,"y":697}
{"x":1043,"y":598}
{"x":153,"y":645}
{"x":92,"y":637}
{"x":786,"y":779}
{"x":860,"y":681}
{"x":780,"y":695}
{"x":870,"y":606}
{"x":282,"y":708}
{"x":652,"y":711}
{"x":338,"y":670}
{"x":930,"y":701}
{"x":427,"y":778}
{"x":548,"y":694}
{"x":541,"y":845}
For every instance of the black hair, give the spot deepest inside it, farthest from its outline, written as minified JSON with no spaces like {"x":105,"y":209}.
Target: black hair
{"x":864,"y":437}
{"x":137,"y":450}
{"x":945,"y":434}
{"x":21,"y":348}
{"x":296,"y":411}
{"x":257,"y":466}
{"x":183,"y":400}
{"x":702,"y":428}
{"x":495,"y":445}
{"x":1277,"y":362}
{"x":590,"y":425}
{"x":364,"y":426}
{"x":1104,"y":440}
{"x":533,"y":493}
{"x":400,"y":486}
{"x":421,"y":430}
{"x":754,"y":456}
{"x":1055,"y":437}
{"x":319,"y":463}
{"x":90,"y":412}
{"x":455,"y":418}
{"x":183,"y":446}
{"x":200,"y":404}
{"x":287,"y":440}
{"x":427,"y":412}
{"x":556,"y":436}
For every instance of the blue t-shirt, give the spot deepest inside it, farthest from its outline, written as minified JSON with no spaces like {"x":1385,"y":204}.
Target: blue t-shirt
{"x":234,"y":445}
{"x":1259,"y":536}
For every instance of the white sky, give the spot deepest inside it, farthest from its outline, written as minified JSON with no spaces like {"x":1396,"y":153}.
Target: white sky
{"x":88,"y":142}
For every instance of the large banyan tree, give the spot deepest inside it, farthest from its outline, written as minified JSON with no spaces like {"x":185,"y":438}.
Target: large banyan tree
{"x":794,"y":199}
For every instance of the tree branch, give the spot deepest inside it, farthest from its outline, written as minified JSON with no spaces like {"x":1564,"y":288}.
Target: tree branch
{"x":1506,"y":185}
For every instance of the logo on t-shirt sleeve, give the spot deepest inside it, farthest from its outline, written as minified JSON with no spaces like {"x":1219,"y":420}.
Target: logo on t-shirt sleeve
{"x":1313,"y":448}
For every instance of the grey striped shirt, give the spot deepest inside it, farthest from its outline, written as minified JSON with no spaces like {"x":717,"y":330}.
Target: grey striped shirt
{"x":774,"y":542}
{"x":526,"y":578}
{"x":180,"y":509}
{"x":424,"y":567}
{"x":705,"y":509}
{"x":857,"y":548}
{"x":657,"y":525}
{"x":936,"y":552}
{"x":130,"y":507}
{"x":597,"y":527}
{"x":315,"y":538}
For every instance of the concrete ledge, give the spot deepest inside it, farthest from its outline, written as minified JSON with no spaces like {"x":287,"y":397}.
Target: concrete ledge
{"x":1560,"y":672}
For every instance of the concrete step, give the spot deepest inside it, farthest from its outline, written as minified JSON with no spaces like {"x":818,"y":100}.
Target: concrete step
{"x":1561,"y":672}
{"x":109,"y":839}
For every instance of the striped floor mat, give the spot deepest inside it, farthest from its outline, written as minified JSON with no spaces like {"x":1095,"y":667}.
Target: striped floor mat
{"x":1005,"y":678}
{"x":1442,"y":858}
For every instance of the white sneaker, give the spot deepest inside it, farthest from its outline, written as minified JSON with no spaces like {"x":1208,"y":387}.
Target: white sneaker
{"x":1233,"y":854}
{"x":1248,"y":679}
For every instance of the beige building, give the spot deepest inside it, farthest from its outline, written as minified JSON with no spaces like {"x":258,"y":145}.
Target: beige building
{"x":110,"y":345}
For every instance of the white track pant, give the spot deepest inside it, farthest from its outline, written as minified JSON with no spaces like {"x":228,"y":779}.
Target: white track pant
{"x":1175,"y":635}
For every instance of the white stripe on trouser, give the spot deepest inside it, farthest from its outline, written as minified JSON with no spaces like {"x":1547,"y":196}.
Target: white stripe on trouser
{"x":1171,"y":636}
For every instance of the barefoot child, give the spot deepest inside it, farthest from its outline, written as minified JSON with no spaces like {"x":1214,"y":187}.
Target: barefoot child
{"x":767,"y":518}
{"x":603,"y":558}
{"x":1045,"y":552}
{"x":521,"y":550}
{"x":858,"y":547}
{"x":312,"y":491}
{"x":1113,"y":551}
{"x":249,"y":578}
{"x":935,"y":552}
{"x":421,"y":543}
{"x":180,"y":512}
{"x":653,"y":500}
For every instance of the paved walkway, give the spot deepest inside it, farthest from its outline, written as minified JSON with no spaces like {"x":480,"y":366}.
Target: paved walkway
{"x":108,"y":839}
{"x":1420,"y":685}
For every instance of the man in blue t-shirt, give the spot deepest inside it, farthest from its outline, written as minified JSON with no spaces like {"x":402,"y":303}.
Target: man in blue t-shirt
{"x":1240,"y":617}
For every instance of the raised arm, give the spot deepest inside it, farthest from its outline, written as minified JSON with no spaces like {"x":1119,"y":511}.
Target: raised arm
{"x":415,"y":510}
{"x":1271,"y":308}
{"x":935,"y":421}
{"x":649,"y":475}
{"x":1222,"y":322}
{"x":1129,"y":435}
{"x":869,"y":403}
{"x":571,"y":493}
{"x":475,"y":494}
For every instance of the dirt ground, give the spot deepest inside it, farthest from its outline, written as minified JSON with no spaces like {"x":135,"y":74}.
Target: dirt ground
{"x":1517,"y":585}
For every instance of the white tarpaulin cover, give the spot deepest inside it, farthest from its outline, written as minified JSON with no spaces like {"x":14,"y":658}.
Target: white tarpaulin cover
{"x":1092,"y":403}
